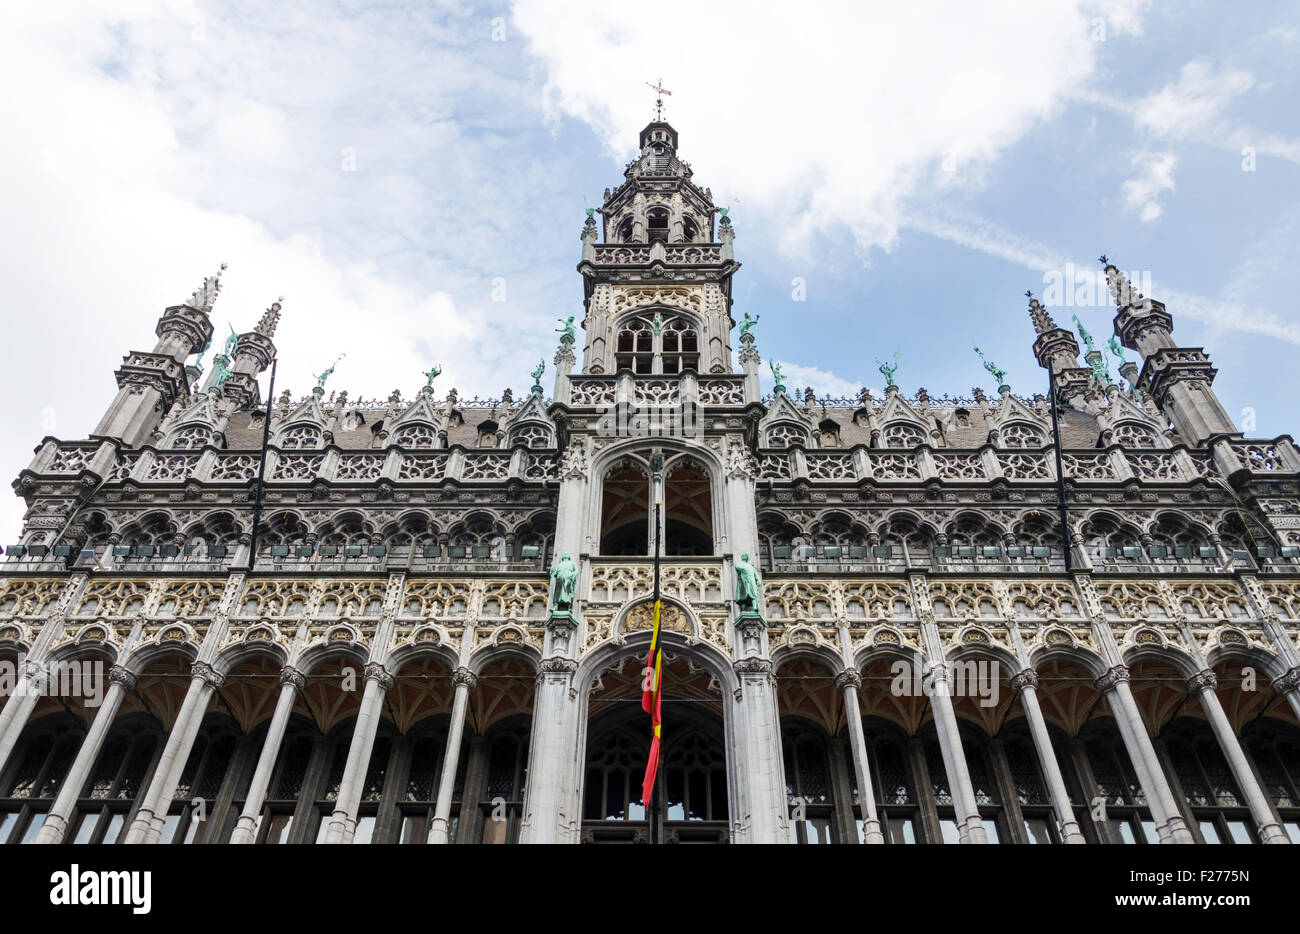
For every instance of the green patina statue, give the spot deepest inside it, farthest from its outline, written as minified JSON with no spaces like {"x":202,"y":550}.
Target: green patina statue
{"x":565,"y":574}
{"x":658,"y":323}
{"x":221,"y":363}
{"x":232,"y":342}
{"x":1116,"y":349}
{"x":321,"y":377}
{"x":566,"y":330}
{"x":749,"y":585}
{"x":747,"y":323}
{"x":536,"y":374}
{"x":777,"y":376}
{"x":888,"y":371}
{"x":429,"y":375}
{"x":995,"y":371}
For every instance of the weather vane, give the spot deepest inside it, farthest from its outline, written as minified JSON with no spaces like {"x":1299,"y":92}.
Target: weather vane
{"x":660,"y":91}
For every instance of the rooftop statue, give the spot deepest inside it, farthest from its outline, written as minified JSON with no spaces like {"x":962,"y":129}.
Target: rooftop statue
{"x":536,"y":374}
{"x":321,"y":377}
{"x":888,"y":371}
{"x":747,"y":323}
{"x":777,"y":376}
{"x":995,"y":371}
{"x":429,"y":375}
{"x":566,"y":329}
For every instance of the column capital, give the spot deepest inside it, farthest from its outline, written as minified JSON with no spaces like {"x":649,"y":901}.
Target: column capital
{"x":753,"y":666}
{"x":378,"y":673}
{"x":1285,"y":684}
{"x":291,"y":675}
{"x":1024,"y":679}
{"x":1112,"y":678}
{"x":849,"y":677}
{"x":464,"y":676}
{"x":1202,"y":680}
{"x":210,"y":676}
{"x":119,"y":675}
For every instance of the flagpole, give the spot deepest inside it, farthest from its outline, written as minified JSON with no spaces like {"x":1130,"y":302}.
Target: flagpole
{"x":653,"y":809}
{"x":261,"y":471}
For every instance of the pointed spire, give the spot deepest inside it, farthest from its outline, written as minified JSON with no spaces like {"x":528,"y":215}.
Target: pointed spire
{"x":1121,"y":289}
{"x":270,"y":319}
{"x":205,"y":296}
{"x":1039,"y":315}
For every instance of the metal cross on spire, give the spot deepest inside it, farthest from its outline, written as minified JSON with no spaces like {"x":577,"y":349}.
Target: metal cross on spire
{"x":660,"y":91}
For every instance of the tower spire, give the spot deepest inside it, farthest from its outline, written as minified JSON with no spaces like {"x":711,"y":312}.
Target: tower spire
{"x":1039,"y":315}
{"x":205,"y":296}
{"x":270,"y":319}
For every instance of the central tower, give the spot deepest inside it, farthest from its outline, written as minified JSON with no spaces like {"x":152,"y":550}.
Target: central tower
{"x":657,"y":290}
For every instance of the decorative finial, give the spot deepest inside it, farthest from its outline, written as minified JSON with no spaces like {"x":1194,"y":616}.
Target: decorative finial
{"x":1028,"y":293}
{"x":777,"y":376}
{"x":321,"y":377}
{"x":660,"y":91}
{"x":537,"y":375}
{"x":270,"y":319}
{"x":205,"y":296}
{"x":1103,"y":260}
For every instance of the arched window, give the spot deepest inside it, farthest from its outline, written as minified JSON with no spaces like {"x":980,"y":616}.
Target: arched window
{"x":1133,"y":435}
{"x":807,"y":782}
{"x":690,"y":230}
{"x":1275,"y":749}
{"x":1108,"y":541}
{"x":903,"y":435}
{"x":40,"y":760}
{"x":657,"y":224}
{"x":891,"y":779}
{"x":688,"y":510}
{"x":625,"y":230}
{"x":418,"y":435}
{"x":1020,"y":435}
{"x":507,"y":771}
{"x":670,"y":346}
{"x":987,"y":800}
{"x":420,"y":794}
{"x":624,"y":520}
{"x":1127,"y":814}
{"x":1217,"y":804}
{"x":117,"y":777}
{"x":301,"y":436}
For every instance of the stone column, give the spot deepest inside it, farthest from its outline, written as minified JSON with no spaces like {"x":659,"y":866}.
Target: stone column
{"x":848,"y":681}
{"x":764,"y":772}
{"x":292,"y":681}
{"x":552,"y":756}
{"x":343,"y":822}
{"x":148,"y":824}
{"x":1142,"y":753}
{"x":1203,"y":685}
{"x":62,"y":811}
{"x":970,"y":828}
{"x":464,"y":679}
{"x":1025,"y":684}
{"x":13,"y":718}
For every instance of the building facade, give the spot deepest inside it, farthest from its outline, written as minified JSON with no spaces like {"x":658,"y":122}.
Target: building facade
{"x":961,"y":636}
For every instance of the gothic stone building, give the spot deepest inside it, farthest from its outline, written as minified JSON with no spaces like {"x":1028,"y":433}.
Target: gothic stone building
{"x":387,"y":665}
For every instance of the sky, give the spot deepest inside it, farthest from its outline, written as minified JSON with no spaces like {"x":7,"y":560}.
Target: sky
{"x":412,"y":179}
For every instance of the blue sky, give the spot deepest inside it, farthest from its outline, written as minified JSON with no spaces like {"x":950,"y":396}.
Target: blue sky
{"x":394,"y":170}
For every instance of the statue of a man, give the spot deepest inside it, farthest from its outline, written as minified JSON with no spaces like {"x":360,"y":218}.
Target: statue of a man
{"x":566,"y":330}
{"x":747,"y":323}
{"x":565,"y":574}
{"x":749,"y":585}
{"x":430,"y":374}
{"x":536,"y":374}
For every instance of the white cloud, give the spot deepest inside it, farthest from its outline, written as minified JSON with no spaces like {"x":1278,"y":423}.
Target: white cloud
{"x":1155,"y":177}
{"x":153,"y":149}
{"x":823,"y":382}
{"x":822,"y":118}
{"x":1193,"y":103}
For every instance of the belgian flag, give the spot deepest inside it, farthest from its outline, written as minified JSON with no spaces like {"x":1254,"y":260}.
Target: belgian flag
{"x":652,"y":687}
